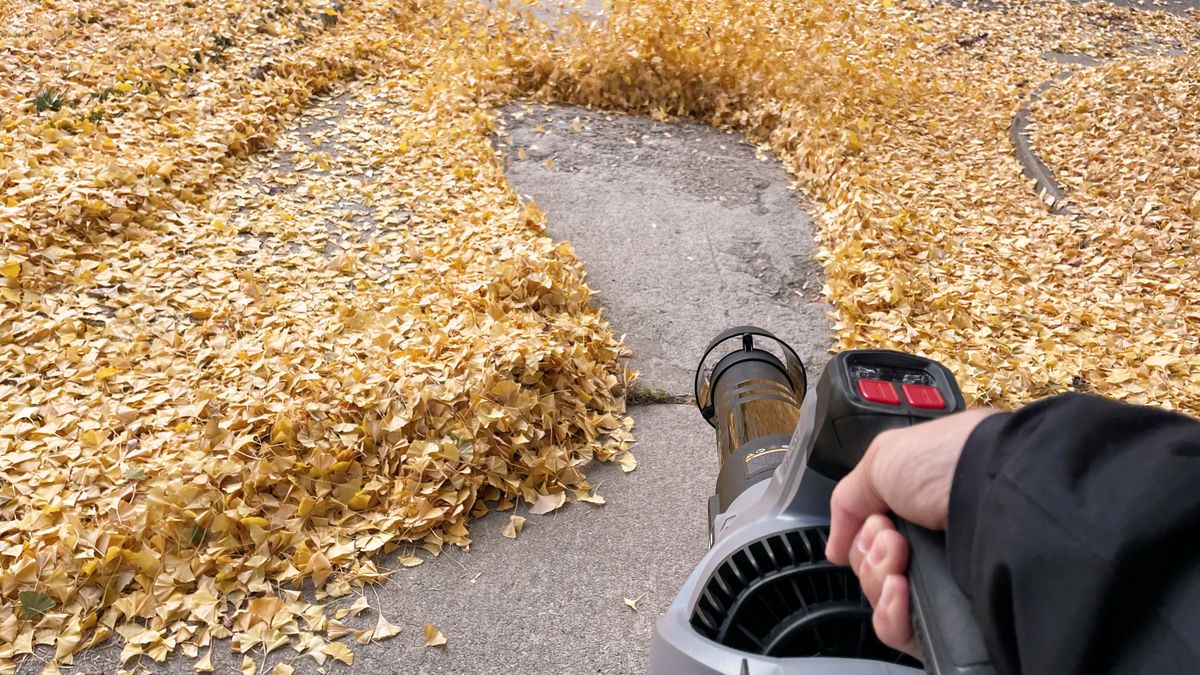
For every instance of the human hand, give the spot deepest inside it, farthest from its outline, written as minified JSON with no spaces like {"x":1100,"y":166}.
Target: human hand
{"x":909,"y":472}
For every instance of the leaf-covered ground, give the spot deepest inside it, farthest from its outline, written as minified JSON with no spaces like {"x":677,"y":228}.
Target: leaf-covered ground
{"x":225,"y":371}
{"x":1124,"y":140}
{"x":236,"y":360}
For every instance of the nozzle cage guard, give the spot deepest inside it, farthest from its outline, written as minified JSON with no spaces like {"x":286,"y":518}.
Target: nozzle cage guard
{"x":705,"y":379}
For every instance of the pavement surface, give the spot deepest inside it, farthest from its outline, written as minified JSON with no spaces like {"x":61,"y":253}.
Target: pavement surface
{"x":684,"y":231}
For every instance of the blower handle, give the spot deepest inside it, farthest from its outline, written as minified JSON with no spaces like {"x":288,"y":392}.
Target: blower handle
{"x":941,"y":614}
{"x":860,"y":394}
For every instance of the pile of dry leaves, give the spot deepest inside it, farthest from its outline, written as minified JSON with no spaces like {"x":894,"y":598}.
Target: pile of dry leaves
{"x":224,"y":374}
{"x":234,"y":360}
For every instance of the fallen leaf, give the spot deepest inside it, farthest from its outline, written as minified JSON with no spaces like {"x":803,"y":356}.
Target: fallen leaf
{"x":1163,"y":360}
{"x":593,"y":498}
{"x":628,"y":462}
{"x":632,"y":603}
{"x":513,"y":527}
{"x":340,"y":652}
{"x":433,"y":636}
{"x":383,"y":629}
{"x":547,"y":503}
{"x":205,"y":664}
{"x":335,"y":629}
{"x":35,"y":603}
{"x":360,"y":605}
{"x":11,"y":269}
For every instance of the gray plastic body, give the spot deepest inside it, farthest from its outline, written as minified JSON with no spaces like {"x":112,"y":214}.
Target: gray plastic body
{"x":791,"y":498}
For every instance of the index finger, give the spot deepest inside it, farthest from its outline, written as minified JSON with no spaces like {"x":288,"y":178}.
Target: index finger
{"x":853,"y":500}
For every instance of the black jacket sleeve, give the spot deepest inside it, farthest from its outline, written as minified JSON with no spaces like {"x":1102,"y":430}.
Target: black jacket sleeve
{"x":1074,"y":528}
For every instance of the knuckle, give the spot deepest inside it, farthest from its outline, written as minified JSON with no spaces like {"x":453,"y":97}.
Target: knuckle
{"x":839,"y":493}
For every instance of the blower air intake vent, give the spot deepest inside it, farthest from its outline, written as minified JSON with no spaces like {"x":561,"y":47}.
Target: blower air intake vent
{"x":779,"y":597}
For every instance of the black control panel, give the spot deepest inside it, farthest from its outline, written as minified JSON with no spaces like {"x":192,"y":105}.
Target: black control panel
{"x":864,"y":392}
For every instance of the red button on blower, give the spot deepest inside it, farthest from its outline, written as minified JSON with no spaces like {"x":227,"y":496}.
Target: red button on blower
{"x":923,"y":396}
{"x":878,"y":391}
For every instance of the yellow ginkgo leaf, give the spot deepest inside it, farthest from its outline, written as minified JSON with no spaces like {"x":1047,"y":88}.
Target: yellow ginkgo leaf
{"x":513,"y":527}
{"x":433,"y":636}
{"x":340,"y":652}
{"x":11,"y":269}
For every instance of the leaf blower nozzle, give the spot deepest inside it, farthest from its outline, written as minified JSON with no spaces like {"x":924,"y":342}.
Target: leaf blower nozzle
{"x":749,"y":387}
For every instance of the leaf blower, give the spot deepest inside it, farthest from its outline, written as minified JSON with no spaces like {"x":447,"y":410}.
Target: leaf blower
{"x":764,"y":600}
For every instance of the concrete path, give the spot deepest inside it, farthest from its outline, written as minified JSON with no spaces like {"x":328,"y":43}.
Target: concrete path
{"x":683,"y":231}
